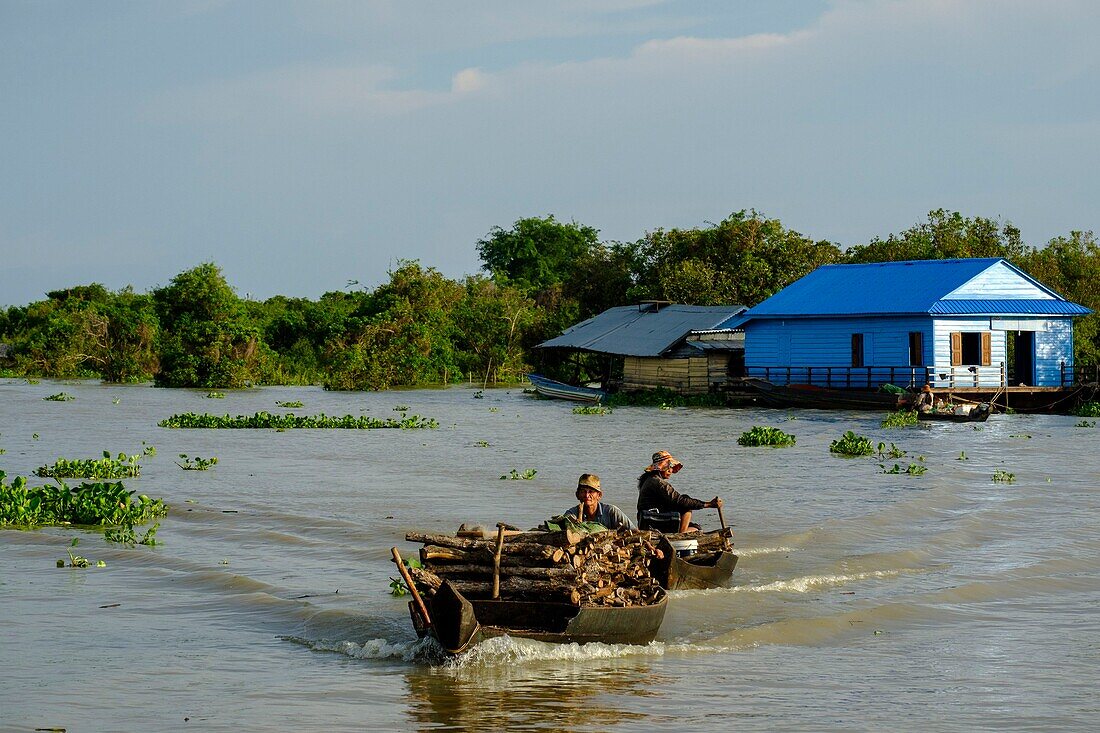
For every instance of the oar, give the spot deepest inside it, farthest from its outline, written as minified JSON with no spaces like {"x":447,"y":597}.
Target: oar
{"x":420,"y":607}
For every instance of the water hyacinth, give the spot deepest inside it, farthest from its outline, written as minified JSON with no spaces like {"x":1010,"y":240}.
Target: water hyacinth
{"x":100,"y":503}
{"x":766,"y":436}
{"x":265,"y":420}
{"x":106,"y":467}
{"x":852,"y":445}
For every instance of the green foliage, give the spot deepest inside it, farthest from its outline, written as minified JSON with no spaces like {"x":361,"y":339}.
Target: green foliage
{"x":106,"y":467}
{"x":215,"y":395}
{"x":265,"y":420}
{"x":1087,"y":409}
{"x":591,"y":410}
{"x":99,"y":503}
{"x":517,"y":476}
{"x":892,"y":452}
{"x":60,"y":397}
{"x":1086,"y":424}
{"x":758,"y":436}
{"x":536,"y":253}
{"x":914,"y":469}
{"x":962,"y":456}
{"x":1002,"y":476}
{"x":397,"y":585}
{"x":852,"y":445}
{"x":295,"y":403}
{"x":900,"y":419}
{"x":196,"y":463}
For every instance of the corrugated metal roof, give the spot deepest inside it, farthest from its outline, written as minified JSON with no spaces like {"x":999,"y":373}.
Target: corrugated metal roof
{"x":890,"y":288}
{"x":1008,"y":307}
{"x":631,"y":331}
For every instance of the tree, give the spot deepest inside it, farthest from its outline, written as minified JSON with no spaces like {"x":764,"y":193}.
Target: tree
{"x":206,"y":339}
{"x":946,"y":235}
{"x":536,"y":253}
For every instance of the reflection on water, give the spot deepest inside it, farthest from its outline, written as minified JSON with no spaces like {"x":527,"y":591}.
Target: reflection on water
{"x":860,"y":599}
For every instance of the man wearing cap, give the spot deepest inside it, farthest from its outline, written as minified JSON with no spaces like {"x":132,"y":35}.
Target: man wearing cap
{"x":589,"y":494}
{"x":658,"y":501}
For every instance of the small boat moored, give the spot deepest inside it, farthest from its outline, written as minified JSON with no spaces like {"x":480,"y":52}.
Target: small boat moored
{"x":975,"y":413}
{"x":562,"y":391}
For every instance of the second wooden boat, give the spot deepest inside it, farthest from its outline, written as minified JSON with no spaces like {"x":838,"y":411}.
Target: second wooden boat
{"x":562,"y":391}
{"x":978,"y":413}
{"x":711,"y":569}
{"x":822,"y":398}
{"x":459,"y":622}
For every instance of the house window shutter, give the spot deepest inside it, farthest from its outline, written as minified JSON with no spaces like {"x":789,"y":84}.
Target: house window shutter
{"x":956,"y":348}
{"x":987,"y":348}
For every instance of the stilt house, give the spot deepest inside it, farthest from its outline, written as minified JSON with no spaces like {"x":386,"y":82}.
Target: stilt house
{"x":950,"y":323}
{"x":662,"y":344}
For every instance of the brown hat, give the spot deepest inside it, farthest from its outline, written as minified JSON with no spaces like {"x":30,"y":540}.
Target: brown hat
{"x":589,"y":480}
{"x":660,"y":457}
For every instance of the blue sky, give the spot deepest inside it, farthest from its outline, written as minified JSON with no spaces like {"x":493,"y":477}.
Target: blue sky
{"x":301,"y":145}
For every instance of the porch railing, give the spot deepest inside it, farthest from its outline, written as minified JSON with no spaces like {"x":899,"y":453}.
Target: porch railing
{"x":1072,"y":375}
{"x":913,"y":377}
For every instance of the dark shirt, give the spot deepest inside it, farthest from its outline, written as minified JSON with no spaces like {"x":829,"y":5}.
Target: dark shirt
{"x":656,"y":493}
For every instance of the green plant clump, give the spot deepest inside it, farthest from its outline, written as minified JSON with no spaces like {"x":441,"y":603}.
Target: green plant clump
{"x":517,"y":476}
{"x":106,"y":467}
{"x":1087,"y":409}
{"x":125,"y":535}
{"x":294,"y":403}
{"x":1086,"y":424}
{"x":900,"y":419}
{"x":215,"y":395}
{"x":591,"y":410}
{"x":759,"y":435}
{"x":1002,"y":476}
{"x":91,"y":504}
{"x":914,"y":469}
{"x":60,"y":397}
{"x":196,"y":463}
{"x":892,"y":452}
{"x":265,"y":420}
{"x":852,"y":445}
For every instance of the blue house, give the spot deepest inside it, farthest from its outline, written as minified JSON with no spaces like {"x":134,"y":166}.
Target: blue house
{"x":951,"y":323}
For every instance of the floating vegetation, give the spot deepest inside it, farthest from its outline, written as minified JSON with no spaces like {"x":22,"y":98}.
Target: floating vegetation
{"x":892,"y":452}
{"x":914,"y":469}
{"x":295,"y":403}
{"x":1025,"y":436}
{"x":401,"y":408}
{"x":1087,"y":409}
{"x":59,"y":397}
{"x":34,"y":436}
{"x":106,"y":467}
{"x":1085,"y":424}
{"x":479,"y":395}
{"x":1002,"y":476}
{"x":591,"y":410}
{"x":32,"y":381}
{"x":116,"y":400}
{"x":100,"y":503}
{"x":78,"y":561}
{"x":663,"y":398}
{"x":978,"y":427}
{"x":265,"y":420}
{"x":196,"y":463}
{"x":852,"y":445}
{"x":765,"y":436}
{"x":125,"y":535}
{"x":494,"y":409}
{"x":148,"y":450}
{"x":215,"y":396}
{"x":900,"y":419}
{"x":517,"y":476}
{"x":482,"y":444}
{"x":962,"y":456}
{"x":397,"y":586}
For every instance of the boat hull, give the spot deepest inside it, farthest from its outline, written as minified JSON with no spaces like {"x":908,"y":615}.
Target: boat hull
{"x":822,"y":398}
{"x":562,"y":391}
{"x":694,"y":572}
{"x":979,"y":414}
{"x":459,"y":623}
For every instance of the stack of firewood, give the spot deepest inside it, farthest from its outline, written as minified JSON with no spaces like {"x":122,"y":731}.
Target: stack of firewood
{"x":601,"y":569}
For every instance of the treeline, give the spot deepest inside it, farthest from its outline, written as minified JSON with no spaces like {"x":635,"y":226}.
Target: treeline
{"x":421,"y":327}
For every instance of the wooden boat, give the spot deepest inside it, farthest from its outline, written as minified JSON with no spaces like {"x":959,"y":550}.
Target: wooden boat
{"x":823,"y":398}
{"x":978,"y":413}
{"x":693,"y":572}
{"x":562,"y":391}
{"x":458,"y":622}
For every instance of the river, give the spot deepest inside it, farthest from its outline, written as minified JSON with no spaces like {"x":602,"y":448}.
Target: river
{"x":862,"y":600}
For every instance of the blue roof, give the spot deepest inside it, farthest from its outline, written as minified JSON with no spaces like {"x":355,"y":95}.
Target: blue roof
{"x":632,"y":330}
{"x":898,"y":288}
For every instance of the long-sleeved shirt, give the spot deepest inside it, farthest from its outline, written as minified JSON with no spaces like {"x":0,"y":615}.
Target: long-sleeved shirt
{"x":655,"y":492}
{"x":608,"y":515}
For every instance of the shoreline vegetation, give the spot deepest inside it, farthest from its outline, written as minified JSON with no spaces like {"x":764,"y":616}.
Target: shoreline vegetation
{"x":421,"y":328}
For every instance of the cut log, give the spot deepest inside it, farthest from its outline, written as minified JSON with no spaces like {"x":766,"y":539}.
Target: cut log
{"x":486,"y":571}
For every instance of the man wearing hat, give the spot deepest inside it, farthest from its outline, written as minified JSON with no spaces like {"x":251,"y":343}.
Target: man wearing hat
{"x":662,"y":507}
{"x":588,"y":494}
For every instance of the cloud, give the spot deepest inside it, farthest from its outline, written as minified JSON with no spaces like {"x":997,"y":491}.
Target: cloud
{"x":468,"y":80}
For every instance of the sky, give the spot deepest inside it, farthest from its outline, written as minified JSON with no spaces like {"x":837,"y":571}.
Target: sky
{"x":305,"y":145}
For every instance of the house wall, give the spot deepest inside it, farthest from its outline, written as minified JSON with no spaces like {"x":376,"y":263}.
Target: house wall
{"x":999,"y":281}
{"x":685,"y":376}
{"x":810,"y":345}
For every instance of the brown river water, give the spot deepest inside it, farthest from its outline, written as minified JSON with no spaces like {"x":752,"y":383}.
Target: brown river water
{"x":862,"y":600}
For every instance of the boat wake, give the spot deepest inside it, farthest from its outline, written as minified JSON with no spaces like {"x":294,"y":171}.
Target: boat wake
{"x":803,"y":584}
{"x":744,"y":552}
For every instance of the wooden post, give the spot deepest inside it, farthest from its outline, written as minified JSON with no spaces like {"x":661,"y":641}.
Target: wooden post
{"x":420,"y":607}
{"x":721,"y":518}
{"x":496,"y":562}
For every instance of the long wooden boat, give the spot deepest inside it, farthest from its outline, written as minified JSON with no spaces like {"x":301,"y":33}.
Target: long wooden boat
{"x":823,"y":398}
{"x":693,"y":572}
{"x":562,"y":391}
{"x":458,"y":622}
{"x":979,"y":413}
